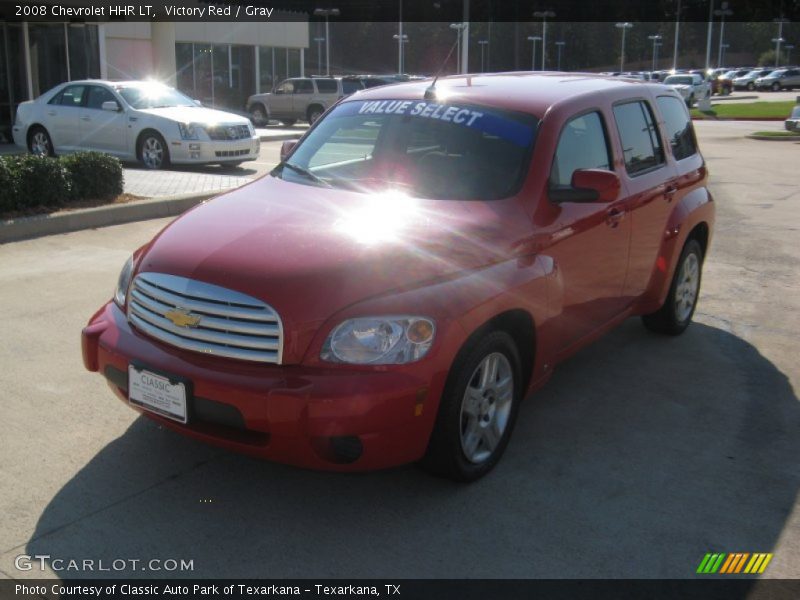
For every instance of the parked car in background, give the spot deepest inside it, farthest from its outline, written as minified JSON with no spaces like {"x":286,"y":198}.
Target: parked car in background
{"x":748,"y":80}
{"x":415,"y":266}
{"x":780,"y":79}
{"x":300,"y":99}
{"x":691,"y":87}
{"x":793,"y":122}
{"x":133,"y":120}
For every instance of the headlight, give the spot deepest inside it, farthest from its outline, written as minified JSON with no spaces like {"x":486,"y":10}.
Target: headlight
{"x":251,"y":129}
{"x":123,"y":282}
{"x":189,"y":131}
{"x":379,"y":340}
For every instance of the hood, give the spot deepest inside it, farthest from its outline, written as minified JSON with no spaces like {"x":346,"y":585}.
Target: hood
{"x":196,"y":114}
{"x":310,"y":252}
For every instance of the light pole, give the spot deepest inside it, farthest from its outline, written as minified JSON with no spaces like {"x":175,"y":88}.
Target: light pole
{"x":400,"y":38}
{"x":544,"y":15}
{"x":401,"y":59}
{"x":533,"y":39}
{"x":723,"y":12}
{"x":677,"y":32}
{"x":458,"y":27}
{"x":779,"y":40}
{"x":708,"y":36}
{"x":624,"y":26}
{"x":327,"y":13}
{"x":788,"y":48}
{"x":482,"y":44}
{"x":560,"y":46}
{"x":319,"y":41}
{"x":656,"y":39}
{"x":724,"y":49}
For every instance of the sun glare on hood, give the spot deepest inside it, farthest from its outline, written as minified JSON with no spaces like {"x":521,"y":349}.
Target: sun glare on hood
{"x":381,"y":218}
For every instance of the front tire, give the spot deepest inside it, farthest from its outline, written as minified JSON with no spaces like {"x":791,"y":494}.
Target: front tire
{"x":676,"y":313}
{"x":259,"y":116}
{"x":776,"y":87}
{"x":153,"y":151}
{"x":478,"y":410}
{"x":751,"y":86}
{"x":314,"y":113}
{"x":39,"y":142}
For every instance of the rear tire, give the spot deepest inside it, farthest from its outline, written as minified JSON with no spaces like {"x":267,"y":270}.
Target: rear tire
{"x":676,"y":313}
{"x":314,"y":113}
{"x":478,"y":410}
{"x":39,"y":142}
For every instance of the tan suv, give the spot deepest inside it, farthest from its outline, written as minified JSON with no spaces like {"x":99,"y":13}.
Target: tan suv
{"x":300,"y":99}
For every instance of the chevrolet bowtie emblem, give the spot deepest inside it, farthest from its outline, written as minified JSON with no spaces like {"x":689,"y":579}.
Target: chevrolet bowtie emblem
{"x":182,"y":318}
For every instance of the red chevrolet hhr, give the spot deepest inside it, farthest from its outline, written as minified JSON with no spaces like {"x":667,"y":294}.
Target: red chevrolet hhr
{"x":413,"y":268}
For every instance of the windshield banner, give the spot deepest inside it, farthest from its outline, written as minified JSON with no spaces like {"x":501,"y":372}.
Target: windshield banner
{"x":475,"y":117}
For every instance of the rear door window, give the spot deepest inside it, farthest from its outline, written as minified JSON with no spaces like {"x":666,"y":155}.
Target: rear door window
{"x":641,"y":146}
{"x":583,"y":144}
{"x":327,"y":86}
{"x":677,"y":126}
{"x":303,"y":86}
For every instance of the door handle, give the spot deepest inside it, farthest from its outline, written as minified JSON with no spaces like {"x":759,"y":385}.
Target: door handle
{"x":52,"y":113}
{"x":614,"y":216}
{"x":86,"y":119}
{"x":670,"y":192}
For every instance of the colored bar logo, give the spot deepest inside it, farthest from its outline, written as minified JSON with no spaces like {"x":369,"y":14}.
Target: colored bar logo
{"x":734,"y":563}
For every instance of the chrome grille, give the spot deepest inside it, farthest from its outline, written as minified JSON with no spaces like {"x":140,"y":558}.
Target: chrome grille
{"x":228,"y":132}
{"x":231,"y":324}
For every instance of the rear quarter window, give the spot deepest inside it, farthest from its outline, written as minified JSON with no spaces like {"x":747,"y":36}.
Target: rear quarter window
{"x":677,"y":126}
{"x":641,"y":145}
{"x":326,"y":86}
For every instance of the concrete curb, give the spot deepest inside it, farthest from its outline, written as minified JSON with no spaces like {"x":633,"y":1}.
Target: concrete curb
{"x":281,"y":137}
{"x":100,"y":216}
{"x":772,"y":138}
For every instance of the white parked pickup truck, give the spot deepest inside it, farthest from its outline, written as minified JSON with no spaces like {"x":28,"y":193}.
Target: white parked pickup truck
{"x":691,"y":87}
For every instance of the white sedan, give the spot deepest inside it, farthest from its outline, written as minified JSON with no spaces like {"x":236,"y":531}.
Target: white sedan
{"x":133,"y":120}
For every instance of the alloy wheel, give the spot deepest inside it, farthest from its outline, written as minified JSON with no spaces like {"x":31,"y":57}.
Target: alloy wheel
{"x":486,"y":407}
{"x":687,"y":288}
{"x":152,"y":153}
{"x":40,"y":144}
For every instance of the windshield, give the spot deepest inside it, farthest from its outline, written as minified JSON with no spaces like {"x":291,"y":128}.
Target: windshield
{"x":425,"y":149}
{"x":679,"y":80}
{"x":778,"y":73}
{"x":756,"y":73}
{"x":795,"y":113}
{"x":154,"y":96}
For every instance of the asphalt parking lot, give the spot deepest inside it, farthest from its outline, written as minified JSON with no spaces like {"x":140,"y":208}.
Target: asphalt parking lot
{"x":638,"y":457}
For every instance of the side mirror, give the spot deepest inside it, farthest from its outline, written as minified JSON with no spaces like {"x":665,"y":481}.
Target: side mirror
{"x":589,"y":185}
{"x":197,"y":103}
{"x":111,"y":106}
{"x":277,"y":91}
{"x":287,"y":147}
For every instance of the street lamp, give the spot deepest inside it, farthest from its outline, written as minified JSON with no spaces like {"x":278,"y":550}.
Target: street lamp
{"x":779,"y":40}
{"x":788,"y":48}
{"x":656,"y":39}
{"x":401,"y":38}
{"x":327,"y":13}
{"x":722,"y":13}
{"x":677,"y":32}
{"x":544,"y":15}
{"x":401,"y":41}
{"x":624,"y":26}
{"x":482,"y":44}
{"x":458,"y":27}
{"x":533,"y":39}
{"x":560,"y":46}
{"x":319,"y":41}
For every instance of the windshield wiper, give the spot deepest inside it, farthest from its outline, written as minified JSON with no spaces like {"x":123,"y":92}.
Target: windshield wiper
{"x":303,"y":171}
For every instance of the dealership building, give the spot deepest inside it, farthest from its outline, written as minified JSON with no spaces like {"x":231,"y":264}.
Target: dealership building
{"x":220,"y":64}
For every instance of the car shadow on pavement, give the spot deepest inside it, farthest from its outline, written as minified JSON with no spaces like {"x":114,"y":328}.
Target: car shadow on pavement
{"x":640,"y":455}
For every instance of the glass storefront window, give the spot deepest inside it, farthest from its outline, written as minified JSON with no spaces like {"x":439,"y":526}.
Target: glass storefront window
{"x":185,"y":69}
{"x":48,"y":52}
{"x":84,"y":52}
{"x":203,"y":77}
{"x":281,"y":64}
{"x":265,"y":69}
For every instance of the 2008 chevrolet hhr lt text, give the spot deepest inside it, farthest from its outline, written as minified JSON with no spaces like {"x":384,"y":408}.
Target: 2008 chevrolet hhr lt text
{"x":414,"y":267}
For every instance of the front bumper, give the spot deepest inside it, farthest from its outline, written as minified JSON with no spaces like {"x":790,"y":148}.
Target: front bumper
{"x":214,"y":151}
{"x":332,"y":419}
{"x":792,"y":125}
